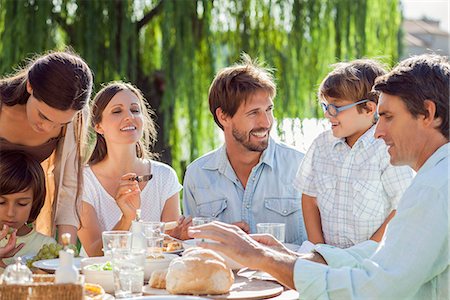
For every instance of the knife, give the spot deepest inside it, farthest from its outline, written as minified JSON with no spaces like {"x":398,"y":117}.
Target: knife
{"x":142,"y":178}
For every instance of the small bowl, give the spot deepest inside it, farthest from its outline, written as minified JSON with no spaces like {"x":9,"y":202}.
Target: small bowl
{"x":232,"y":264}
{"x":101,"y":277}
{"x":153,"y":264}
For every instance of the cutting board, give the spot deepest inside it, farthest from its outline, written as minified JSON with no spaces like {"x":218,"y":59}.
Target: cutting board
{"x":242,"y":288}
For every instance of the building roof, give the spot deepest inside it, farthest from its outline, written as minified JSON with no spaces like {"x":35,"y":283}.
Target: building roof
{"x":424,"y":26}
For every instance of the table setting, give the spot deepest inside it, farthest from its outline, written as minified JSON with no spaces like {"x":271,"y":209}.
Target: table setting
{"x":131,"y":258}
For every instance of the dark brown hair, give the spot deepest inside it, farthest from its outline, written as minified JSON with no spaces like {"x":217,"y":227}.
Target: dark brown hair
{"x":234,"y":85}
{"x":420,"y":78}
{"x":62,"y":80}
{"x":352,"y":81}
{"x":99,"y":104}
{"x":20,"y":172}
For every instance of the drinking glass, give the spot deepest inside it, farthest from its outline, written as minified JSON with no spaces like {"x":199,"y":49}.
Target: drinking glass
{"x":154,"y":236}
{"x":278,"y":230}
{"x":128,"y":272}
{"x":115,"y":240}
{"x":202,"y":220}
{"x":196,"y":221}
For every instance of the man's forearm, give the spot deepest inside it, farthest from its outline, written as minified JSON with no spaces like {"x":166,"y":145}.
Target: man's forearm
{"x":281,"y":266}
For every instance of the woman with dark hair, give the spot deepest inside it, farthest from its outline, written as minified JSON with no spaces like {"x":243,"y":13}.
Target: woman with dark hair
{"x":112,"y":190}
{"x":42,"y":112}
{"x":22,"y":196}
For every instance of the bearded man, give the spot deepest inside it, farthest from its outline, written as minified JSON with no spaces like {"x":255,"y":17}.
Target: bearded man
{"x":249,"y":179}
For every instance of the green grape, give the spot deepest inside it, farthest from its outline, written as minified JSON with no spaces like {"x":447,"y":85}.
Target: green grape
{"x":52,"y":248}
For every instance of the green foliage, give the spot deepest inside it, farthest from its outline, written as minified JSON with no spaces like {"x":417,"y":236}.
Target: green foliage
{"x":189,"y":40}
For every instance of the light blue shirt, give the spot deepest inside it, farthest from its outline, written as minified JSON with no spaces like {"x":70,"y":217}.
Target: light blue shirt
{"x":411,"y":261}
{"x":211,"y":188}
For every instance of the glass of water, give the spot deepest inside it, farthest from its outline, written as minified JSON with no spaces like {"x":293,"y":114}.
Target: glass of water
{"x":128,"y":272}
{"x":154,"y":236}
{"x":115,"y":239}
{"x":202,"y":220}
{"x":278,"y":230}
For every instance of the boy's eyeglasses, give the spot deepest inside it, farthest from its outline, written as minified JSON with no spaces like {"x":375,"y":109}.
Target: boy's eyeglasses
{"x":334,"y":110}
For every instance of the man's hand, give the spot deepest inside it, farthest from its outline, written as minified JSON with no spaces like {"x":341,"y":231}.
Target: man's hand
{"x":269,"y":241}
{"x":242,"y":248}
{"x":242,"y":225}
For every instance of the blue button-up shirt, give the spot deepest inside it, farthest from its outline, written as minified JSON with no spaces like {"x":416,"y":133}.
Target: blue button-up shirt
{"x":412,"y":260}
{"x":212,"y":188}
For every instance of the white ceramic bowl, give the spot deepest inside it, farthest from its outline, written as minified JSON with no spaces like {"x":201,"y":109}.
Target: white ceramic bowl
{"x":157,"y":264}
{"x":232,"y":264}
{"x":103,"y":278}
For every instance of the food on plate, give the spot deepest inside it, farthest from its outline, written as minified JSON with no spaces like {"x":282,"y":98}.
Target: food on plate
{"x":170,"y":245}
{"x":49,"y":251}
{"x":199,"y":272}
{"x":93,"y":291}
{"x":158,"y":279}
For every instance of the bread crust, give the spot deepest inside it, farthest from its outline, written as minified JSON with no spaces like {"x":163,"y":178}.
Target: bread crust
{"x":199,"y":272}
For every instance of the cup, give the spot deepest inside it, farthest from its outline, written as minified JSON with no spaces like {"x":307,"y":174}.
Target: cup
{"x":202,"y":220}
{"x":154,"y":236}
{"x":278,"y":230}
{"x":128,"y":272}
{"x":117,"y":239}
{"x":196,"y":221}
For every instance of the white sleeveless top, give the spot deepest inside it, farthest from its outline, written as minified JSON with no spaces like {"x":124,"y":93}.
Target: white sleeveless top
{"x":161,"y":187}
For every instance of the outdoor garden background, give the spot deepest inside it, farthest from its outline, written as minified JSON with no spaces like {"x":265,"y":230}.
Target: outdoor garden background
{"x":171,"y":50}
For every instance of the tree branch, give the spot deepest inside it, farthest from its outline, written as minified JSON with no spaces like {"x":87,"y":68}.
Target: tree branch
{"x":66,"y":27}
{"x":149,"y":16}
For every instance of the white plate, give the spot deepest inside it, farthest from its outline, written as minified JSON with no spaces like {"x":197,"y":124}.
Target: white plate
{"x":52,"y":264}
{"x":174,"y":252}
{"x":171,"y":297}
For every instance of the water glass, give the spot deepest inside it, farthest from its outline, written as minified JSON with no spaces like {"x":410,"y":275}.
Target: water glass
{"x":117,"y":239}
{"x":278,"y":230}
{"x":196,"y":221}
{"x":128,"y":272}
{"x":202,"y":220}
{"x":154,"y":236}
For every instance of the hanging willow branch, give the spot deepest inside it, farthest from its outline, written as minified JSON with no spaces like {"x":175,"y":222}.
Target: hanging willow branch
{"x":172,"y":49}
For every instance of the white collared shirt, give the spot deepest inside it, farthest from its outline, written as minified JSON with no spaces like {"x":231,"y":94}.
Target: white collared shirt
{"x":410,"y":262}
{"x":212,"y":188}
{"x":356,"y":188}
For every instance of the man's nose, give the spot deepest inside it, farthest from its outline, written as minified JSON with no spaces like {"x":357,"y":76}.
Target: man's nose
{"x":379,"y":130}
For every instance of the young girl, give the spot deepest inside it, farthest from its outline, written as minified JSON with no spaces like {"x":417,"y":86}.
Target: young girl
{"x":42,"y":111}
{"x":350,"y":190}
{"x":22,"y":195}
{"x":112,"y":194}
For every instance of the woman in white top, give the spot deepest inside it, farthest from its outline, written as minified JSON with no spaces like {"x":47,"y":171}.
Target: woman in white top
{"x":111,"y":195}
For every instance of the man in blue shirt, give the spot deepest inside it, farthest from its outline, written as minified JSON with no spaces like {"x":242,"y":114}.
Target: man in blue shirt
{"x":412,"y":259}
{"x":249,"y":179}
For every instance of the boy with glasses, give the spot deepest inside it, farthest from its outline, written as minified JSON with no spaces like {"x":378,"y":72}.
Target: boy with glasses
{"x":350,"y":190}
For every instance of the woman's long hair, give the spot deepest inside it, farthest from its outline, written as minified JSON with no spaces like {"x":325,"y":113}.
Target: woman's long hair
{"x":63,"y":81}
{"x":99,"y":104}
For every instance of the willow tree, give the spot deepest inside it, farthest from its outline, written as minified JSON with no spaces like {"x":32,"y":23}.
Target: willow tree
{"x":171,"y":49}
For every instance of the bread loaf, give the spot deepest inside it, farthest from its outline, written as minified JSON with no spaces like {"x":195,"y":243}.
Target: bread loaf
{"x":158,"y":279}
{"x":199,"y":272}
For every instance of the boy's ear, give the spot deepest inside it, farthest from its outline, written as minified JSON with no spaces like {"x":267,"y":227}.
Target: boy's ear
{"x":371,"y":107}
{"x":222,"y":117}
